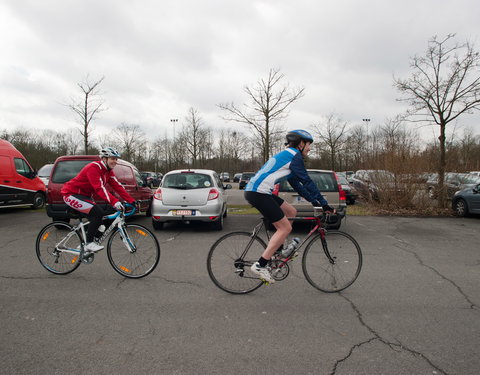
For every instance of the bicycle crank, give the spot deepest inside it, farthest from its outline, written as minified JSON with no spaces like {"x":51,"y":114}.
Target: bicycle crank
{"x":280,"y":269}
{"x":88,"y":258}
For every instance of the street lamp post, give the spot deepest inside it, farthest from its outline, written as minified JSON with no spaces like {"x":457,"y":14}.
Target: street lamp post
{"x":173,"y":121}
{"x":367,"y":121}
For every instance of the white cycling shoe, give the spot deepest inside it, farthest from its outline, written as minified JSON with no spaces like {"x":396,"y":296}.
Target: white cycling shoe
{"x":93,"y":247}
{"x":262,"y":272}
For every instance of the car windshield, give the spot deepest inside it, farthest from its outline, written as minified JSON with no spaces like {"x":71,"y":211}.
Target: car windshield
{"x":68,"y":169}
{"x":45,"y":170}
{"x":187,"y":181}
{"x":325,"y":182}
{"x":342,"y":179}
{"x":470,"y":179}
{"x":247,"y":176}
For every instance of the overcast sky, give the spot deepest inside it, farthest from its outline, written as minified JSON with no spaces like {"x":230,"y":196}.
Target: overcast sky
{"x":160,"y":58}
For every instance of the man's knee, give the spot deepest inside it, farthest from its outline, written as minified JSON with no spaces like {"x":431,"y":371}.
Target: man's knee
{"x":96,"y":212}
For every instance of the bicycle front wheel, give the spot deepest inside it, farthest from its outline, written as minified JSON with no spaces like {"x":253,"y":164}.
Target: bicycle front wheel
{"x":333,"y":265}
{"x":138,"y":259}
{"x":229,"y":262}
{"x":57,"y":253}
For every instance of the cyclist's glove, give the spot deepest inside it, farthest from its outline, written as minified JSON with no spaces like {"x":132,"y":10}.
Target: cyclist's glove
{"x":316,"y":203}
{"x":118,"y":206}
{"x":327,"y":208}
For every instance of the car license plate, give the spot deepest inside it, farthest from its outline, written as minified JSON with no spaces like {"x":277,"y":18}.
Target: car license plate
{"x":183,"y":212}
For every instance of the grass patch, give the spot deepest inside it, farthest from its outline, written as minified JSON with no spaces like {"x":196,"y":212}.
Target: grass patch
{"x":241,"y":209}
{"x":359,"y":210}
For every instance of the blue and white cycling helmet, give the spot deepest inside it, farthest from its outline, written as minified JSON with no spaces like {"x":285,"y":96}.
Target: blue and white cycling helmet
{"x":109,"y":152}
{"x":295,"y":136}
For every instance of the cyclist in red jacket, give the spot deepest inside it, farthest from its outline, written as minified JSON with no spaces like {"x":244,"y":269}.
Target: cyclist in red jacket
{"x":91,"y":181}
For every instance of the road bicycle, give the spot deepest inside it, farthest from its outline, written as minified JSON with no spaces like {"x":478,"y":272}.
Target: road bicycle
{"x":331,"y":262}
{"x":133,"y":250}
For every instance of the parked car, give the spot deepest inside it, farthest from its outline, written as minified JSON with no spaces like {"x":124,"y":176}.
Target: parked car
{"x":225,"y":177}
{"x":350,"y":192}
{"x":453,"y":182}
{"x":375,"y":183}
{"x":236,"y":177}
{"x":476,"y":173}
{"x":67,"y":167}
{"x":19,"y":184}
{"x":190,"y":195}
{"x":328,"y":185}
{"x":246,"y":176}
{"x":44,"y":173}
{"x":150,"y":179}
{"x":467,"y":201}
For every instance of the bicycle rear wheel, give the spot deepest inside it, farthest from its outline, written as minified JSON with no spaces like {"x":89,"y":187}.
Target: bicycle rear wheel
{"x":53,"y":257}
{"x":138,"y":263}
{"x":226,"y":266}
{"x":338,"y":272}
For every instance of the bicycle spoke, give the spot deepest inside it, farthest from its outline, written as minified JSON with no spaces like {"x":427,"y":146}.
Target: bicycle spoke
{"x":50,"y":245}
{"x":328,"y":277}
{"x":134,"y":261}
{"x":226,"y":267}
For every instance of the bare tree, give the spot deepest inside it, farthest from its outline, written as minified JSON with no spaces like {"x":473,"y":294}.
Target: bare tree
{"x":88,"y":107}
{"x":332,"y":133}
{"x":269,"y":101}
{"x":444,"y":84}
{"x":195,"y":135}
{"x":131,"y":139}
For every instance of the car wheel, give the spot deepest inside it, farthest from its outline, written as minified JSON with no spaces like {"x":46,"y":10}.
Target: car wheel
{"x":38,"y":200}
{"x":431,"y":193}
{"x":226,"y":212}
{"x":157,"y":225}
{"x":460,"y":207}
{"x":218,"y":225}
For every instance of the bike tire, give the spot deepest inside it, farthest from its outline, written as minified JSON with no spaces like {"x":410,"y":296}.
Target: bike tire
{"x":227,"y":270}
{"x":139,"y":263}
{"x":50,"y":257}
{"x":328,"y":277}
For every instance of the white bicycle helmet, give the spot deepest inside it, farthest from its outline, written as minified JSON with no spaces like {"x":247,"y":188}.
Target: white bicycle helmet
{"x":109,"y":152}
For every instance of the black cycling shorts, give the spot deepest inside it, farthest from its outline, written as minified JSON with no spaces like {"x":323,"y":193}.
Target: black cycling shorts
{"x":267,"y":204}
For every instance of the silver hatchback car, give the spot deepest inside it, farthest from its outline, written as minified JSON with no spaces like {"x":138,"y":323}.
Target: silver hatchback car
{"x":188,"y":195}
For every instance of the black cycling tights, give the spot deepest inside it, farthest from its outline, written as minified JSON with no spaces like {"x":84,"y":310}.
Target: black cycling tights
{"x":95,"y":217}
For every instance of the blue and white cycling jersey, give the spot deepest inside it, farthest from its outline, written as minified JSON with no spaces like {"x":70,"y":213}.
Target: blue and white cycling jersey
{"x":286,"y":165}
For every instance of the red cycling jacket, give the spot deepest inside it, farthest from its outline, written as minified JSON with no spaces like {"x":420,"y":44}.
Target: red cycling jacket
{"x":91,"y":182}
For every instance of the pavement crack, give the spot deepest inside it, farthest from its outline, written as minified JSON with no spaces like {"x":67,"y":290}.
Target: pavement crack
{"x":472,"y":304}
{"x":396,"y":346}
{"x":180,"y":282}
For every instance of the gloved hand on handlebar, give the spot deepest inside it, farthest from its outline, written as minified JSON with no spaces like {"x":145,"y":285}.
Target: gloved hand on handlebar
{"x":325,"y":207}
{"x":119,"y":206}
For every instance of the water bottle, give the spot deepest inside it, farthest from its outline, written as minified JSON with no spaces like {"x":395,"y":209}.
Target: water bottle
{"x":292,"y":246}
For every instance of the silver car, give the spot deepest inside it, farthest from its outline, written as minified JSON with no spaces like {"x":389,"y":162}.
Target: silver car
{"x":187,"y":195}
{"x":330,"y":188}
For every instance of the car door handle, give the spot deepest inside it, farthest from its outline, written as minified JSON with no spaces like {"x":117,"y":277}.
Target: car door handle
{"x":6,"y":180}
{"x":18,"y":182}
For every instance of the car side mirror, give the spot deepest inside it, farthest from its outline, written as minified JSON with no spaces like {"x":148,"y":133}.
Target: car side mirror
{"x":476,"y":189}
{"x":227,"y":186}
{"x":32,"y":174}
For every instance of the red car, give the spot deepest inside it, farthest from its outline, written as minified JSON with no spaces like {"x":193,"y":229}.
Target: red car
{"x":67,"y":167}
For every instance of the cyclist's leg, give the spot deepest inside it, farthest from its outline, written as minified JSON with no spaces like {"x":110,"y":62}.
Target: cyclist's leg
{"x":274,"y":209}
{"x":94,"y":214}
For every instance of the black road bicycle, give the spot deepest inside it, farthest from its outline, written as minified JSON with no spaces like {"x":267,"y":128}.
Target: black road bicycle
{"x":331,"y":262}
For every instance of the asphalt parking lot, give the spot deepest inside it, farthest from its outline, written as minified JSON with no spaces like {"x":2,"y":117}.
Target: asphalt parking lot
{"x":413,"y":310}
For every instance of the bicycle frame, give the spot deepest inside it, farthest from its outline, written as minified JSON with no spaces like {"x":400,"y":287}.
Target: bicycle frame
{"x":118,"y":221}
{"x":318,"y":227}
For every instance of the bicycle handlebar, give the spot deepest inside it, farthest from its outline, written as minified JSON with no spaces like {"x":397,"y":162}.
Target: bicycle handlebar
{"x":126,"y":214}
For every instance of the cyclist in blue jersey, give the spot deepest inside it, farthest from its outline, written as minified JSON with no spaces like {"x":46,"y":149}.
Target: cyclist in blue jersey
{"x":287,"y":164}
